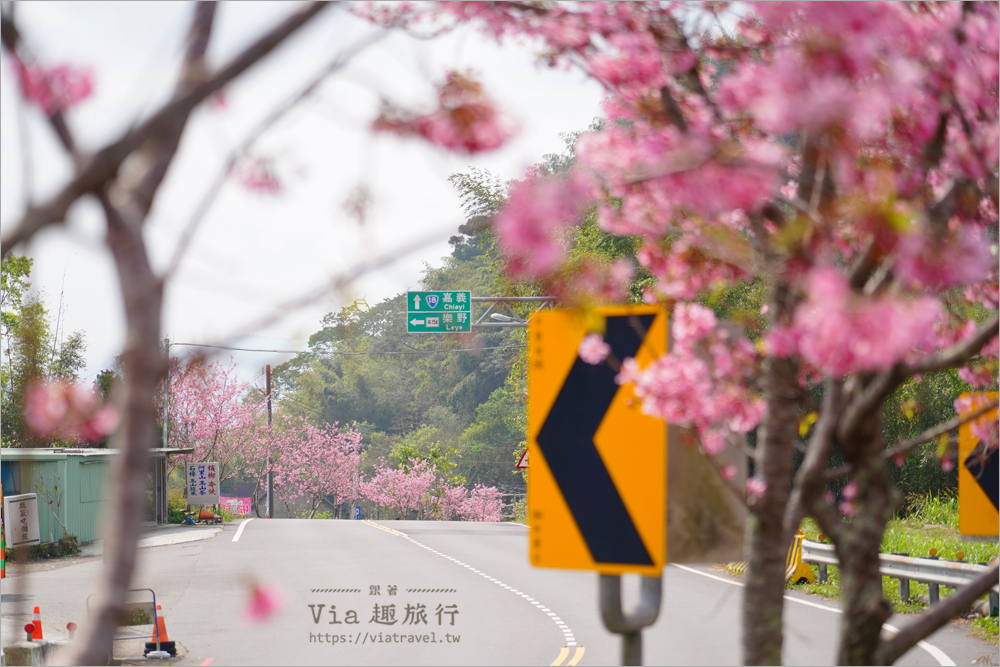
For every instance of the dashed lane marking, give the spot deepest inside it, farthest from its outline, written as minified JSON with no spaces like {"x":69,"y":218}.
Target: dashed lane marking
{"x":565,"y":629}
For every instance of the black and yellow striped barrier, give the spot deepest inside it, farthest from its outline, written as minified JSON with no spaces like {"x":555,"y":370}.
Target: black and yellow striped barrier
{"x":795,"y":570}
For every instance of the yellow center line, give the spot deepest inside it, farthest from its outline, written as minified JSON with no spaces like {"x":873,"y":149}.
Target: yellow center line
{"x":563,"y":653}
{"x":577,"y":657}
{"x":388,"y":530}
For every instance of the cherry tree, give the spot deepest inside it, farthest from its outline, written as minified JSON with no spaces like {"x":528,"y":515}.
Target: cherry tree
{"x":317,"y":463}
{"x":403,"y":489}
{"x":212,"y":411}
{"x":451,"y":501}
{"x":842,"y":155}
{"x":483,"y":503}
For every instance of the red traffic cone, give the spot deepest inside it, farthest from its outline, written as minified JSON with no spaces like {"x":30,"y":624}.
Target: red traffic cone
{"x":37,"y":622}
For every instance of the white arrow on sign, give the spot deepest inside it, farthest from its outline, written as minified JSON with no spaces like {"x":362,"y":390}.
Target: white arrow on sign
{"x":416,"y":302}
{"x":415,"y":322}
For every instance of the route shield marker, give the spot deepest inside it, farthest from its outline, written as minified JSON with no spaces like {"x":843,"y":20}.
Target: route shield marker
{"x":978,"y":478}
{"x":597,"y":488}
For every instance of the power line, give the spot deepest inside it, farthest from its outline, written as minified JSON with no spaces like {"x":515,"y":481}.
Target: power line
{"x":349,"y":354}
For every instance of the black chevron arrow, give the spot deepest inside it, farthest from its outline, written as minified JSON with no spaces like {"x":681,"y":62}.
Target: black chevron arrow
{"x":567,"y":443}
{"x":984,"y":464}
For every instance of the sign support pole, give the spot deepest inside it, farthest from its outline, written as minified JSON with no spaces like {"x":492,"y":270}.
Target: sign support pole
{"x":630,"y":627}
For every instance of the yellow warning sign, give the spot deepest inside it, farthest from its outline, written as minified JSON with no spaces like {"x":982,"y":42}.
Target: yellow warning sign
{"x":978,"y":478}
{"x":597,"y":488}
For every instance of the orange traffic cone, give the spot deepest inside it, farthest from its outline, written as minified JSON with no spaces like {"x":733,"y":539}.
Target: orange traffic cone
{"x":36,"y":620}
{"x":164,"y":644}
{"x":161,"y":625}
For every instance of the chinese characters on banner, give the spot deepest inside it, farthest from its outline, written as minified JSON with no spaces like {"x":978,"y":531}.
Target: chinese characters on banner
{"x":203,"y":483}
{"x":237,"y":506}
{"x":21,"y":520}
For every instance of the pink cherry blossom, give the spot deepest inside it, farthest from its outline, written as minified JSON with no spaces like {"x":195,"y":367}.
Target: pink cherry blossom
{"x":849,"y":491}
{"x":593,"y":349}
{"x":756,"y":487}
{"x":61,"y":409}
{"x":257,"y":175}
{"x":265,"y":602}
{"x":483,"y":503}
{"x":848,"y":508}
{"x":317,"y":463}
{"x":943,"y":263}
{"x":839,"y":331}
{"x":54,"y":88}
{"x":217,"y":415}
{"x":531,"y":225}
{"x":466,"y":119}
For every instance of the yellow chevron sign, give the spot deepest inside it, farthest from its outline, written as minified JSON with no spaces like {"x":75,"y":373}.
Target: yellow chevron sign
{"x":597,"y":487}
{"x":978,"y":478}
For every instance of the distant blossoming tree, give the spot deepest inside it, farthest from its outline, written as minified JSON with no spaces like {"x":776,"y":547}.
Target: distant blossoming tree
{"x":843,"y":155}
{"x":317,"y":463}
{"x":483,"y":503}
{"x":212,"y":411}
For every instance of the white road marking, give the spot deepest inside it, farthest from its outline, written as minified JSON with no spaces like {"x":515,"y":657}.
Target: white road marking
{"x":239,"y":531}
{"x":567,"y":633}
{"x":934,"y":651}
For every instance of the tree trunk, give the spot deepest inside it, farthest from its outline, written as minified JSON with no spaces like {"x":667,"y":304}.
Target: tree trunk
{"x":137,"y":434}
{"x":865,"y":609}
{"x":763,"y":597}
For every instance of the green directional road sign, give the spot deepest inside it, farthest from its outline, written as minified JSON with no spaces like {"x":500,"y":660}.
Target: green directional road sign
{"x":438,"y":312}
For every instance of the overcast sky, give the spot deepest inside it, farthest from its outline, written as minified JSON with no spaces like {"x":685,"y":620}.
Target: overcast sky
{"x":255,"y":252}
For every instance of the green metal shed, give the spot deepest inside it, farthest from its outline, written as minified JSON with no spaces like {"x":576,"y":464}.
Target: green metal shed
{"x":71,"y":484}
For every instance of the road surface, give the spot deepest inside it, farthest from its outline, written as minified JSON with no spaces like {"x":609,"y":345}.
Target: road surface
{"x":442,"y":593}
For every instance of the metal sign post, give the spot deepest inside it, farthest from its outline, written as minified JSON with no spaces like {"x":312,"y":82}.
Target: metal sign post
{"x":630,"y":627}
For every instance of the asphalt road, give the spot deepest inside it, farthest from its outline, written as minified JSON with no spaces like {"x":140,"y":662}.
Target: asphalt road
{"x":431,"y":593}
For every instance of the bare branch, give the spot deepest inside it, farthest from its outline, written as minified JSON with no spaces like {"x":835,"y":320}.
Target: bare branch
{"x":907,"y":446}
{"x":10,"y":36}
{"x":137,"y":184}
{"x":338,"y":284}
{"x":930,"y":621}
{"x":279,"y":112}
{"x":887,"y":381}
{"x":99,"y":168}
{"x":807,"y":491}
{"x":960,"y":352}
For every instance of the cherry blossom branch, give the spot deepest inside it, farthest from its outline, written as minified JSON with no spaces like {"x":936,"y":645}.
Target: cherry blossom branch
{"x":905,"y":447}
{"x":885,"y":382}
{"x":10,"y":37}
{"x":890,"y":650}
{"x":210,"y":196}
{"x":96,"y":170}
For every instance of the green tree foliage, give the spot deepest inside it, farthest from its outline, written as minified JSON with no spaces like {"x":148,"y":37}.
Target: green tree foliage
{"x":28,"y":349}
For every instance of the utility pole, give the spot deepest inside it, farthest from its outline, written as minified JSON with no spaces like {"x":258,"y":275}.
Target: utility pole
{"x":166,"y":396}
{"x":270,"y":477}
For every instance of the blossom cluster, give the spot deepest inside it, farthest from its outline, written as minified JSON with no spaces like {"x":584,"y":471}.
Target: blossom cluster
{"x":54,"y":88}
{"x":702,"y":381}
{"x":63,"y":409}
{"x":465,"y":119}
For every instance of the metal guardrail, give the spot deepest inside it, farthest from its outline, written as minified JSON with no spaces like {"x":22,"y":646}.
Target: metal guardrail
{"x":929,"y":571}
